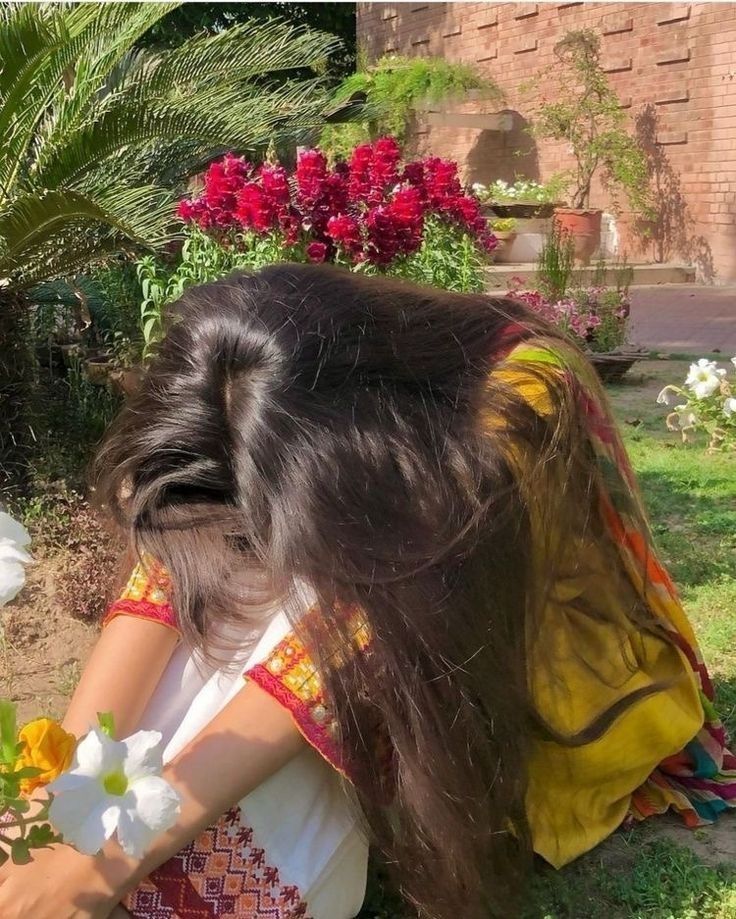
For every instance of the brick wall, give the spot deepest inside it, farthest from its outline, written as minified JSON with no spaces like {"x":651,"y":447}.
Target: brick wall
{"x":672,"y":64}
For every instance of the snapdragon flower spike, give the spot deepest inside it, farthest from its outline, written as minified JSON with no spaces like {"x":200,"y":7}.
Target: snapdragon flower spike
{"x":114,"y":787}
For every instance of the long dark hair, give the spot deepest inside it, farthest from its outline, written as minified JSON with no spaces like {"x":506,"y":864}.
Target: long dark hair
{"x":346,"y":432}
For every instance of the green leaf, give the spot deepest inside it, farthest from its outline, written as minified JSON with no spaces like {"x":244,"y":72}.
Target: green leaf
{"x":19,"y":852}
{"x":106,"y":722}
{"x":27,"y":772}
{"x":8,"y":732}
{"x":41,"y":835}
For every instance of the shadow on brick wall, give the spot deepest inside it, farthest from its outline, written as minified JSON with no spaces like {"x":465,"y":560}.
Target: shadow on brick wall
{"x":669,"y":233}
{"x":504,"y":154}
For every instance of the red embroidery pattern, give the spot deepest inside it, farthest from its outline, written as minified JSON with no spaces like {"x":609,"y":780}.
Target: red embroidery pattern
{"x":221,"y":875}
{"x":146,"y":595}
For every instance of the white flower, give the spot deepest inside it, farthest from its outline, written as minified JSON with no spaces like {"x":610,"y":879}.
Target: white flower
{"x":729,"y":407}
{"x":478,"y":188}
{"x":664,"y":397}
{"x":681,"y":419}
{"x":13,"y":556}
{"x":733,"y":361}
{"x":114,"y":785}
{"x":704,"y":378}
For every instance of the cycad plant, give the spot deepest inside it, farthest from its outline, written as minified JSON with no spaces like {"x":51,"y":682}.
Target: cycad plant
{"x":97,"y":135}
{"x":94,"y":133}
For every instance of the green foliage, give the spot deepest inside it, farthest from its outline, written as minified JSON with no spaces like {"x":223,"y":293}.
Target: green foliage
{"x":392,"y":88}
{"x":93,"y":132}
{"x":556,"y":264}
{"x":586,"y":113}
{"x":202,"y":259}
{"x":116,"y":311}
{"x":448,"y":258}
{"x":504,"y":225}
{"x":192,"y":18}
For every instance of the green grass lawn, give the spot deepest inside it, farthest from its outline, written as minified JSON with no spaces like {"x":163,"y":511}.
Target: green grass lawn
{"x":659,"y":871}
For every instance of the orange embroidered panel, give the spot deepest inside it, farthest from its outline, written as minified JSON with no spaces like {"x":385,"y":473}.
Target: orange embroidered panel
{"x":146,"y":595}
{"x":222,"y":874}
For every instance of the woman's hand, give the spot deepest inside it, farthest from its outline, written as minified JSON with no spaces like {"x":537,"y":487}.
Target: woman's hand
{"x":59,"y":883}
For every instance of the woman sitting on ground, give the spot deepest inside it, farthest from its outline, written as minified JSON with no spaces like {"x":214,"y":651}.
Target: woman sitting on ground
{"x":394,"y":585}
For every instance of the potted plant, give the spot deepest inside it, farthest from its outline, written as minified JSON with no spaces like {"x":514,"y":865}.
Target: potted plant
{"x":586,"y":113}
{"x":127,"y":372}
{"x":504,"y":229}
{"x":525,"y":199}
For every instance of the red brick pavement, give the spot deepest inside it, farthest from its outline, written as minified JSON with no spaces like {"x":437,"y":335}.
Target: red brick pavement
{"x":684,"y":319}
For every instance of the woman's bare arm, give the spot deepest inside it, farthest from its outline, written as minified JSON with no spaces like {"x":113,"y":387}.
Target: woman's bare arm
{"x":252,"y":738}
{"x":122,"y":672}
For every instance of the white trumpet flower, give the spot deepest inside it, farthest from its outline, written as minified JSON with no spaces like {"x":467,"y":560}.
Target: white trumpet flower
{"x":114,"y":786}
{"x":704,"y":378}
{"x":14,"y":539}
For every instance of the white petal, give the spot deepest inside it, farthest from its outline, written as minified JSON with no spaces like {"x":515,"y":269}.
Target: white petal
{"x":12,"y":552}
{"x":97,"y":828}
{"x":133,"y":835}
{"x":12,"y":578}
{"x":69,"y":809}
{"x":143,"y":754}
{"x":13,"y":531}
{"x":156,"y":803}
{"x":85,"y":817}
{"x":98,"y":754}
{"x":664,"y":397}
{"x":71,"y":781}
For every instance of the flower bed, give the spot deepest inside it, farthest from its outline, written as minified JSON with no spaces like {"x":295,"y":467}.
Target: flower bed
{"x":595,"y":317}
{"x":369,"y":211}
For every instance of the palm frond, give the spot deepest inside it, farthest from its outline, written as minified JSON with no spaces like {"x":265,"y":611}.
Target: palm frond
{"x":41,"y":221}
{"x":238,"y":54}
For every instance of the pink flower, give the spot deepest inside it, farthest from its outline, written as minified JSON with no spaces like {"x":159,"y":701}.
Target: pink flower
{"x":359,"y":182}
{"x":317,"y":252}
{"x":441,"y":180}
{"x":255,"y":210}
{"x":311,"y":172}
{"x":275,"y":184}
{"x":291,"y":225}
{"x":345,"y":232}
{"x":384,"y":167}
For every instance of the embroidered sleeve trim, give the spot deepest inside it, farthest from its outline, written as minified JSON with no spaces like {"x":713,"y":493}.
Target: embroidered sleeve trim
{"x":146,"y":595}
{"x":311,"y":718}
{"x":140,"y":609}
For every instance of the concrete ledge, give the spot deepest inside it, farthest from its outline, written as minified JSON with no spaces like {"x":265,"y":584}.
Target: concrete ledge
{"x":501,"y":276}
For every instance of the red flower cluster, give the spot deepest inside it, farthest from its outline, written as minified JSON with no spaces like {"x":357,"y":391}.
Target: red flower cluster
{"x":368,"y":209}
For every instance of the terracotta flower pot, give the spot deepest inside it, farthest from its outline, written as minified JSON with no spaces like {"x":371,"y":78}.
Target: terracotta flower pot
{"x":505,"y":242}
{"x":98,"y":369}
{"x":584,"y":226}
